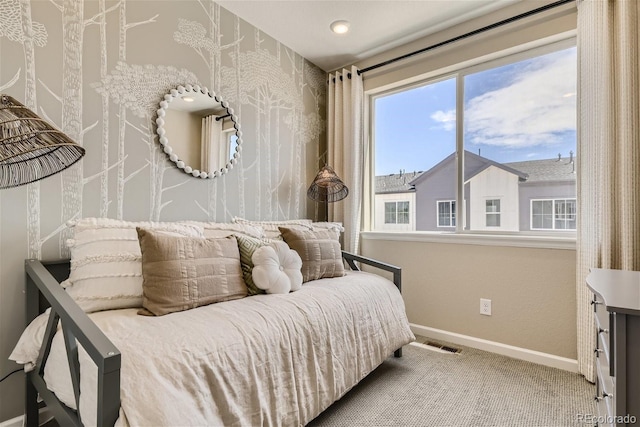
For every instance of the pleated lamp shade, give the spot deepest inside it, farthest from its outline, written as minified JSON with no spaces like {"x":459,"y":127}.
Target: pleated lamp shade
{"x":30,"y":148}
{"x":327,"y":187}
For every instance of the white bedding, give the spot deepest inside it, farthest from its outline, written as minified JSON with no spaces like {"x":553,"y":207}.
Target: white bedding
{"x":267,"y":360}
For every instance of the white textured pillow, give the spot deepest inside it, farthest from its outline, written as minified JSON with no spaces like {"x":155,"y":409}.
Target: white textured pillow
{"x":335,"y":227}
{"x":106,"y":265}
{"x":276,"y":268}
{"x":218,"y":230}
{"x":271,"y":227}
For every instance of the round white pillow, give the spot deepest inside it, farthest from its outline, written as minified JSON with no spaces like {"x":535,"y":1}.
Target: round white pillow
{"x":277,"y":268}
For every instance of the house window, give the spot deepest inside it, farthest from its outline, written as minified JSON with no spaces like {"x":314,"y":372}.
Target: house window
{"x":396,"y":212}
{"x":447,"y":213}
{"x":403,"y":212}
{"x":493,"y":212}
{"x":553,"y":214}
{"x":508,"y":122}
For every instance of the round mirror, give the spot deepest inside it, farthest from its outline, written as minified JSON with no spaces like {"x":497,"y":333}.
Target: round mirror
{"x":199,"y":131}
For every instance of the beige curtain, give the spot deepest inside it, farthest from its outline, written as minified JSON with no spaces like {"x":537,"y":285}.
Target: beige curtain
{"x":346,"y":150}
{"x":609,"y":151}
{"x":212,"y":146}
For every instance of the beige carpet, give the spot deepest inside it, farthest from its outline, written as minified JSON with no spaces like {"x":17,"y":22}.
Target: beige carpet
{"x":472,"y":388}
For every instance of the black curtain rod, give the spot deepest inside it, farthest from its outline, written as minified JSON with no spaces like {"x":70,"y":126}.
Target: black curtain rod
{"x":466,"y":35}
{"x":222,"y":117}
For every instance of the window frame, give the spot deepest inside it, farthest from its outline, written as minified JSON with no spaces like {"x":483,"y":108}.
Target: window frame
{"x":397,"y":212}
{"x":452,"y":214}
{"x":394,"y":213}
{"x":553,"y":214}
{"x":459,"y":71}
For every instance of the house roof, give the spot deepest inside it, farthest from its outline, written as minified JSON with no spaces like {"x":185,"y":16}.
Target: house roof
{"x":546,"y":170}
{"x":488,"y":162}
{"x":529,"y":171}
{"x":474,"y":164}
{"x":395,"y":183}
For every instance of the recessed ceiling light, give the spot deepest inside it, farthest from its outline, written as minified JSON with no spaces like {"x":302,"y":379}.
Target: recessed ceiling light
{"x":340,"y":27}
{"x":187,"y":99}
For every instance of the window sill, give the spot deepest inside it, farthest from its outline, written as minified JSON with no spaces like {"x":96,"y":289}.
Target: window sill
{"x":546,"y":241}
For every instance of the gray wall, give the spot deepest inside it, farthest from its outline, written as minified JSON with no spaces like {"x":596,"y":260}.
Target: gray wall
{"x":542,"y":190}
{"x":98,"y":70}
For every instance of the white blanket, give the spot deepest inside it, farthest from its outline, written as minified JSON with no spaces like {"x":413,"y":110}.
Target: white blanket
{"x":268,"y":360}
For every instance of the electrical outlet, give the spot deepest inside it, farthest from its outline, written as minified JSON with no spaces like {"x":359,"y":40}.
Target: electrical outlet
{"x":485,"y":306}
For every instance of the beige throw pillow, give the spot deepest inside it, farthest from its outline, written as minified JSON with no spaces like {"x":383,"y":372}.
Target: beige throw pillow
{"x":180,"y":273}
{"x":319,"y":250}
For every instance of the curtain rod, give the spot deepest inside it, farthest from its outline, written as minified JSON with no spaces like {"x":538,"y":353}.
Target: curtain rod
{"x":466,"y":35}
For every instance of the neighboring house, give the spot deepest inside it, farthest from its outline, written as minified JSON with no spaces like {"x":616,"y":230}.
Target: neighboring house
{"x":395,"y":202}
{"x":548,"y":195}
{"x":519,"y":196}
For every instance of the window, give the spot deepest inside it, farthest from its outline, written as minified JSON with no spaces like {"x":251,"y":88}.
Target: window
{"x":447,"y":213}
{"x":493,"y":212}
{"x":510,"y":123}
{"x":403,"y":212}
{"x":553,"y":214}
{"x":565,"y":214}
{"x":396,"y":212}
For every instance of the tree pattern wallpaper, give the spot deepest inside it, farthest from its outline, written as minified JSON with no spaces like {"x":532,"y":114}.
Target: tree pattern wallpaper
{"x":97,"y":69}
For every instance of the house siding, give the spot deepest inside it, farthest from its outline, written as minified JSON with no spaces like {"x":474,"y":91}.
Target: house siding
{"x":437,"y":186}
{"x":490,"y":184}
{"x":381,"y":199}
{"x":542,"y":190}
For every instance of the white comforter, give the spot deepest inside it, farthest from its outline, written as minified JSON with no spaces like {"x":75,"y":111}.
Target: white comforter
{"x":269,"y":360}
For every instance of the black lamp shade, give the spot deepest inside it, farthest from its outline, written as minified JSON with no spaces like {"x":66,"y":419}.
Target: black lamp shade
{"x":327,"y":187}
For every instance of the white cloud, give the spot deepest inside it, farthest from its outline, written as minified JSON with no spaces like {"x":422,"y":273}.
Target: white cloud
{"x":446,"y":118}
{"x":531,"y":111}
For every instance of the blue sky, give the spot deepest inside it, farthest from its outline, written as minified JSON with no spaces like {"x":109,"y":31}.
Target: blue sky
{"x":521,"y":111}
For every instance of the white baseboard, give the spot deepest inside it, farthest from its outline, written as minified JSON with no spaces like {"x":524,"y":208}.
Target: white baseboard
{"x":13,"y":422}
{"x":498,"y":348}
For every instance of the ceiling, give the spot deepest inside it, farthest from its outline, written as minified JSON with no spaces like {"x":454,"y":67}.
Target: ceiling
{"x":375,"y":26}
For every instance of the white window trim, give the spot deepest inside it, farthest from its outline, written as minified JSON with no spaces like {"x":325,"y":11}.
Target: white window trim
{"x":395,"y":202}
{"x":553,"y":214}
{"x":557,"y":240}
{"x":450,"y":214}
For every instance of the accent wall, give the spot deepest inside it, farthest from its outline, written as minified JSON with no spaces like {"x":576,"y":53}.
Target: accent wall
{"x":98,"y":70}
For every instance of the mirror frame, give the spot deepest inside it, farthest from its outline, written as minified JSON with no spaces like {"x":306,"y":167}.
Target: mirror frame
{"x":164,"y":141}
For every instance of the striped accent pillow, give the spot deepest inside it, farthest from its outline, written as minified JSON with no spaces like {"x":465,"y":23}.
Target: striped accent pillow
{"x":271,"y":227}
{"x":247,"y":246}
{"x":106,"y":263}
{"x":224,"y":229}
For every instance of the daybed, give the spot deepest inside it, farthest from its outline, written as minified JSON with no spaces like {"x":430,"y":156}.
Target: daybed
{"x":267,"y":359}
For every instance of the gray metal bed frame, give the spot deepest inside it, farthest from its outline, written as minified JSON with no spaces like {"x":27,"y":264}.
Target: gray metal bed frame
{"x":43,"y":291}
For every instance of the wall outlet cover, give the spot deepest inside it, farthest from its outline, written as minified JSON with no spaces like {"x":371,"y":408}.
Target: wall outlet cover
{"x":485,"y":306}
